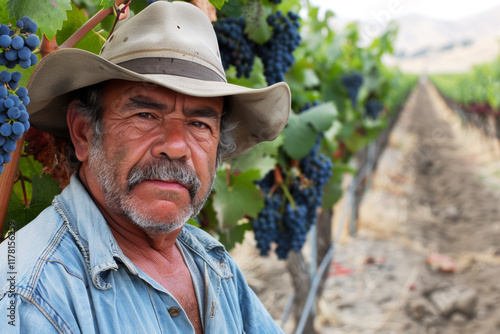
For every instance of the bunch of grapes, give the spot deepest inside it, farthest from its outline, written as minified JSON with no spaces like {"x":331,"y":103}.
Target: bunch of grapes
{"x":373,"y":108}
{"x":277,"y":53}
{"x":266,"y":226}
{"x":285,"y":223}
{"x":236,"y":49}
{"x":353,"y":82}
{"x":18,"y":45}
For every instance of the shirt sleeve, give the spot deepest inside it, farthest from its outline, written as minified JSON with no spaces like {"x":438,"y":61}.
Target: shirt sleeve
{"x":256,"y":318}
{"x":23,"y":317}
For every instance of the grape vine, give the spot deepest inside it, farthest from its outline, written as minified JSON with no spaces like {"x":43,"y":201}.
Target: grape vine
{"x":17,"y":46}
{"x":236,"y":48}
{"x":276,"y":54}
{"x":290,"y":208}
{"x":373,"y":108}
{"x":353,"y":83}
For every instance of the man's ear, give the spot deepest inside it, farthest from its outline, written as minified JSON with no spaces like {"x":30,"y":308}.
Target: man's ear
{"x":80,"y":131}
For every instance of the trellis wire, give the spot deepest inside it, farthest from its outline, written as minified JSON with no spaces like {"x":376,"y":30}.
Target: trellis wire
{"x":329,"y":255}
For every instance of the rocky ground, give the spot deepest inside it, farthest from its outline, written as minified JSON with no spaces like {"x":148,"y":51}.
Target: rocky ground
{"x":426,"y":256}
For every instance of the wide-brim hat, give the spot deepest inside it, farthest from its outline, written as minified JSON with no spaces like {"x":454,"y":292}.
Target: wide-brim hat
{"x":169,"y":44}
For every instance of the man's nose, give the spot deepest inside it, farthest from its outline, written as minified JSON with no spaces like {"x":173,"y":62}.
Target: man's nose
{"x":172,"y":141}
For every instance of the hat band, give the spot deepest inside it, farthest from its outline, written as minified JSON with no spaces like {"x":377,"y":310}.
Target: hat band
{"x":172,"y":66}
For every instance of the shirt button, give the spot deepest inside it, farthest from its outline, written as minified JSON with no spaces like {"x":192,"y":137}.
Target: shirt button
{"x":174,"y":311}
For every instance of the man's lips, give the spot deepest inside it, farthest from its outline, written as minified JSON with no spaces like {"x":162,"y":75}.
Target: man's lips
{"x":167,"y":184}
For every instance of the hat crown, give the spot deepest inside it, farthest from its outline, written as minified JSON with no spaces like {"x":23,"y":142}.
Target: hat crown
{"x":166,"y":30}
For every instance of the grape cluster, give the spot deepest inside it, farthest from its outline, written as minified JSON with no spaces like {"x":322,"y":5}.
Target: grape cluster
{"x":276,"y":2}
{"x":18,"y":45}
{"x":13,"y":115}
{"x":266,"y":226}
{"x":353,"y":82}
{"x":236,"y":49}
{"x":285,"y":223}
{"x":373,"y":108}
{"x":277,"y":53}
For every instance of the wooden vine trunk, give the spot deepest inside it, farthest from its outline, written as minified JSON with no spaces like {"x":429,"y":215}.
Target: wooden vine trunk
{"x":7,"y":180}
{"x":300,"y":274}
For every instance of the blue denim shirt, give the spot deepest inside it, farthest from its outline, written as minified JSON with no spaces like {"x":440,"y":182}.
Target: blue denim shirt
{"x":70,"y":276}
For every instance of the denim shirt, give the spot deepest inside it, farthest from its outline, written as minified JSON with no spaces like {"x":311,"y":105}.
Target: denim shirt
{"x":70,"y":276}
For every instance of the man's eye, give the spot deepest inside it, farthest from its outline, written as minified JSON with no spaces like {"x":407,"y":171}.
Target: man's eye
{"x":199,"y":124}
{"x":144,"y":115}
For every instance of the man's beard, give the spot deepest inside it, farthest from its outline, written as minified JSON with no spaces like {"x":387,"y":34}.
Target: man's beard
{"x":120,"y":201}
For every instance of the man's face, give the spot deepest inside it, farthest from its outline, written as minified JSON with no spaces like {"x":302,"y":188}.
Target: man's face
{"x":155,"y":161}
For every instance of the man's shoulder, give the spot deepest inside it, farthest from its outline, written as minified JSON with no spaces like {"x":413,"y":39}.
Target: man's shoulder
{"x":192,"y":234}
{"x":44,"y":240}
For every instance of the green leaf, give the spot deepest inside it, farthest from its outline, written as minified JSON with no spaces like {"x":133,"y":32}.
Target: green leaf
{"x":241,"y":198}
{"x":231,"y":9}
{"x":262,"y":157}
{"x":332,"y":193}
{"x":92,"y":41}
{"x":90,"y":6}
{"x":256,"y":27}
{"x":48,"y":14}
{"x":207,"y":216}
{"x":310,"y":78}
{"x":320,"y":117}
{"x":44,"y":190}
{"x":302,"y":130}
{"x":300,"y":138}
{"x":230,"y":237}
{"x":109,"y":3}
{"x":218,"y":3}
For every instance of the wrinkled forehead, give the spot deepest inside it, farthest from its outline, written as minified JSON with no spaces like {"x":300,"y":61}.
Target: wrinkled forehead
{"x":116,"y":93}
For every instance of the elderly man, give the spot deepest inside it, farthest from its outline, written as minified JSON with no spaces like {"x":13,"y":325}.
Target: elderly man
{"x":150,"y":119}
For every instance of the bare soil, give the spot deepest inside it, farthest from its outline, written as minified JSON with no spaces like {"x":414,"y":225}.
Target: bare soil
{"x":436,"y":191}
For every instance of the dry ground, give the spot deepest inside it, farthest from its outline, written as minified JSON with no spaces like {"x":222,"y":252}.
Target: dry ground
{"x":436,"y":191}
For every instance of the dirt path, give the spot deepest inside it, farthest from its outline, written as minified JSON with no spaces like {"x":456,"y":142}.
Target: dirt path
{"x":436,"y":191}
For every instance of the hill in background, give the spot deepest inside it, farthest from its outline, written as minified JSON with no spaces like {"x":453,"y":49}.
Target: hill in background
{"x":425,"y":45}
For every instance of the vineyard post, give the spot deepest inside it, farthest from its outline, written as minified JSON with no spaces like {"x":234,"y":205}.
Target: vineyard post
{"x":7,"y":182}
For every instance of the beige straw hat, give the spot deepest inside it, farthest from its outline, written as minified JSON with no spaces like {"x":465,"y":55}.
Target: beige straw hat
{"x":169,"y":44}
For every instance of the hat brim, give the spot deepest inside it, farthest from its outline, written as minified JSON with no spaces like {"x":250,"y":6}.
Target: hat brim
{"x":259,"y":114}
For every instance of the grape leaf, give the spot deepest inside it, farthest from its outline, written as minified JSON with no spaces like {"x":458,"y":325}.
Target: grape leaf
{"x":300,"y":137}
{"x":261,"y":157}
{"x":217,"y":3}
{"x":234,"y":235}
{"x":90,"y":6}
{"x":44,"y":190}
{"x":256,"y":27}
{"x":109,"y":3}
{"x":331,"y":194}
{"x":320,"y":116}
{"x":76,"y":18}
{"x":302,"y":130}
{"x":240,"y":198}
{"x":48,"y":14}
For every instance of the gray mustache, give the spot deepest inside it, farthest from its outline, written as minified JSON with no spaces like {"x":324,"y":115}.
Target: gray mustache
{"x":165,"y":170}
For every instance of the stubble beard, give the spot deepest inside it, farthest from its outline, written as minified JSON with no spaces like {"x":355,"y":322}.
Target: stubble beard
{"x":118,"y":198}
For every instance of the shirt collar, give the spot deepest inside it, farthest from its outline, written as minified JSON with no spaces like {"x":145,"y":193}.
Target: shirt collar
{"x":91,"y":232}
{"x":100,"y":249}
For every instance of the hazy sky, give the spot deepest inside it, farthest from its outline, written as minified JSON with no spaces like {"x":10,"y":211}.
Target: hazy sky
{"x":371,"y":9}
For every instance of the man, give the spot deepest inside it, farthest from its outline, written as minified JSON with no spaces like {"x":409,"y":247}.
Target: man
{"x":150,"y":119}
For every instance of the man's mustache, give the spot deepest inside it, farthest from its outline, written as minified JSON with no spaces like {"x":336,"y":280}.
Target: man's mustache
{"x":165,"y":170}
